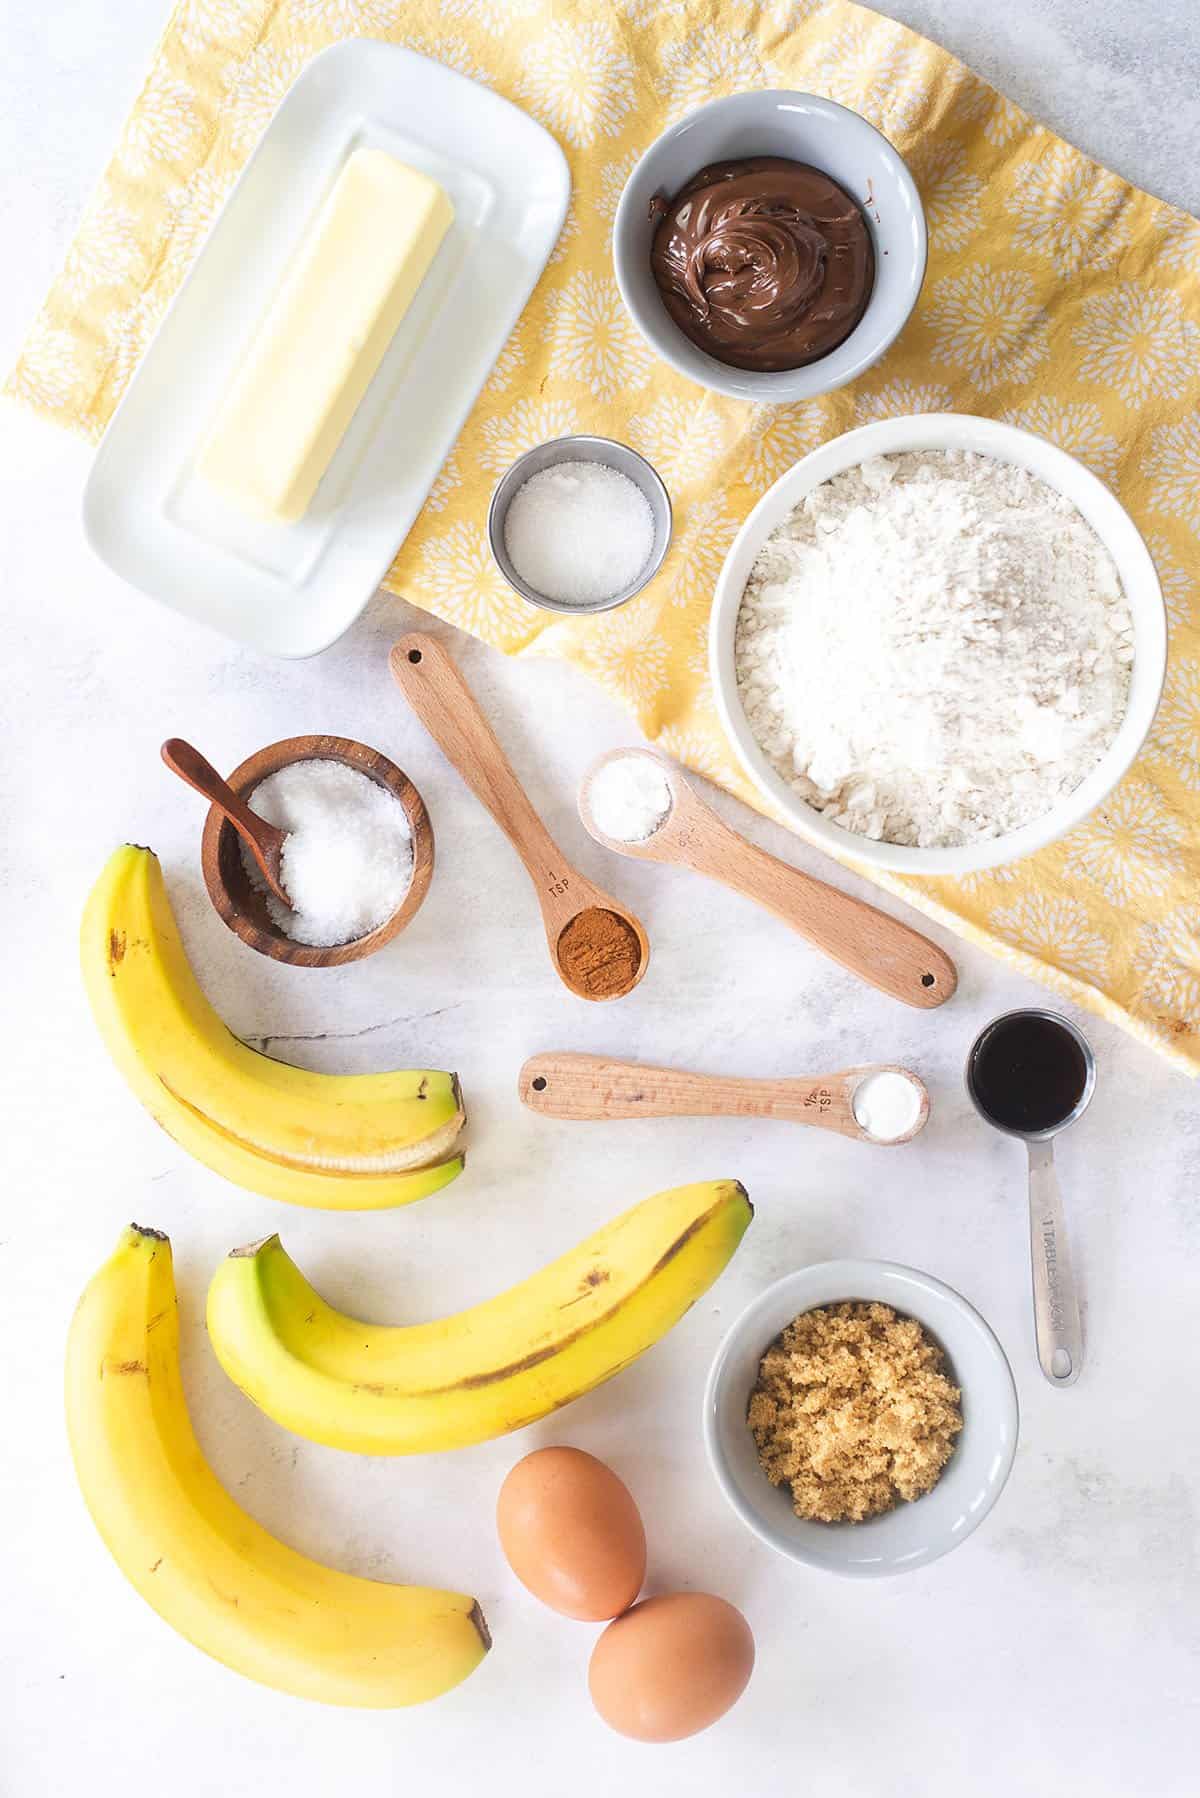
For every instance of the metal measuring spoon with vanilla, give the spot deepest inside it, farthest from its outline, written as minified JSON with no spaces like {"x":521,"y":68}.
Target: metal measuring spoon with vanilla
{"x":763,"y":263}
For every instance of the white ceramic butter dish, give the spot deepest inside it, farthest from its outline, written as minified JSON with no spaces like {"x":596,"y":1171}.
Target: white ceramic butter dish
{"x":291,"y":589}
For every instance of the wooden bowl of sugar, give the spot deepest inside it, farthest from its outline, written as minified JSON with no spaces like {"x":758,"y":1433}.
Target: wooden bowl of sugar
{"x":310,"y":801}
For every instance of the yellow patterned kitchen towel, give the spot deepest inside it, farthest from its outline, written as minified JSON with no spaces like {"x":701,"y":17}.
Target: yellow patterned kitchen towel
{"x":1058,"y":297}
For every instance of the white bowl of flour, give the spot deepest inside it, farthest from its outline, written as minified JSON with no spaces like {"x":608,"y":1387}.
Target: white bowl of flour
{"x":937,"y":644}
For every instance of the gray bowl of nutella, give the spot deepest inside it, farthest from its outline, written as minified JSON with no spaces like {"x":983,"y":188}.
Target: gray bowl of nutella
{"x":770,"y":246}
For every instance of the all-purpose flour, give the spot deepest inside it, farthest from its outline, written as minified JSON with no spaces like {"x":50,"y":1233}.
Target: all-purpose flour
{"x":934,"y":648}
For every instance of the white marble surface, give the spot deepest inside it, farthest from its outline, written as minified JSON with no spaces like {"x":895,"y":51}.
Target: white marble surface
{"x":1057,"y":1651}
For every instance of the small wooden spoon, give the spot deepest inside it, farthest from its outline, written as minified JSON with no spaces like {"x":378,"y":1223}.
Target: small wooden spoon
{"x":595,"y":1087}
{"x":264,"y":841}
{"x":870,"y":943}
{"x":587,"y":931}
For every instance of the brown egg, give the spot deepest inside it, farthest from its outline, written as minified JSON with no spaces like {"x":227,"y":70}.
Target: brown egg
{"x":671,"y":1666}
{"x":571,"y":1533}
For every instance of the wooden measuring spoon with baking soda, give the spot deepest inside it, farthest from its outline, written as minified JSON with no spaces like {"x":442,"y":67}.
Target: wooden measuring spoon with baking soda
{"x":870,"y":943}
{"x":882,"y":1104}
{"x":599,"y":949}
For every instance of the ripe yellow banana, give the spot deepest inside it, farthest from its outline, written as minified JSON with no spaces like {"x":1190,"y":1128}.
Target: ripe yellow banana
{"x":203,"y":1563}
{"x":343,"y":1141}
{"x":507,"y":1362}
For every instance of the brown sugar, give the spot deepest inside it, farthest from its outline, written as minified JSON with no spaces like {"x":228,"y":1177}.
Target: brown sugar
{"x":599,"y":953}
{"x":853,"y":1412}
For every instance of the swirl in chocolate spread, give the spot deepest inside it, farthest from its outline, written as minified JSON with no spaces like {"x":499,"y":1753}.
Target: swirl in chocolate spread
{"x":764,"y":263}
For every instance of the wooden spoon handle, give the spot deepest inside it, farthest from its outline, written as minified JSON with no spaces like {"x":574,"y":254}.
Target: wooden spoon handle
{"x":595,"y":1087}
{"x":263,"y":838}
{"x":442,"y":700}
{"x":264,"y":841}
{"x":881,"y":950}
{"x":188,"y":763}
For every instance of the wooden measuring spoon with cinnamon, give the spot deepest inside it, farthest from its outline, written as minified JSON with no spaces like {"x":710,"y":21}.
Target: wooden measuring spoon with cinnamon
{"x":598,"y":948}
{"x":870,"y":943}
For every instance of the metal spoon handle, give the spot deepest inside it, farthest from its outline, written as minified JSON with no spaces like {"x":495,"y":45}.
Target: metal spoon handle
{"x":1055,"y":1304}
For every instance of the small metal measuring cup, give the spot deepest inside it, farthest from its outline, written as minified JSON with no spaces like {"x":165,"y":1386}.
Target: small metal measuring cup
{"x":1055,"y":1302}
{"x":617,"y":456}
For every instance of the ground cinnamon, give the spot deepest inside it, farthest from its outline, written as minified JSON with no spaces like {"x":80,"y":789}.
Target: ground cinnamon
{"x":599,"y":953}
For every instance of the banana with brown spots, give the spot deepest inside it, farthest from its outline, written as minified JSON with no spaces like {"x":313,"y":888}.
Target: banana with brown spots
{"x":480,"y":1373}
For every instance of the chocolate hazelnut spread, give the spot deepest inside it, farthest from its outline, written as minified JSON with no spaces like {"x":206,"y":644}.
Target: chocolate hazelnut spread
{"x":764,"y":263}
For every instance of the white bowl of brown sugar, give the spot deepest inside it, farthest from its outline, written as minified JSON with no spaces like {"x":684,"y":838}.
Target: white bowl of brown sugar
{"x":861,"y":1417}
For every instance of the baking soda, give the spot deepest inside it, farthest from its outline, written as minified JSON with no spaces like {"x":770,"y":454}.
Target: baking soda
{"x":579,"y":532}
{"x":347,"y":861}
{"x":886,"y":1105}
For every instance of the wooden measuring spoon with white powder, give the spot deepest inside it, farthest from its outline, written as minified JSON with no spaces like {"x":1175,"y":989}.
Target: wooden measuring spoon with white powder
{"x":882,"y":1104}
{"x":638,"y":803}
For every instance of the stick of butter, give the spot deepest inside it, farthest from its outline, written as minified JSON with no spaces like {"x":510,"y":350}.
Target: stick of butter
{"x":324,"y":335}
